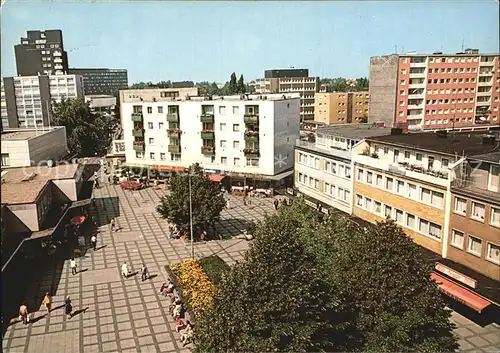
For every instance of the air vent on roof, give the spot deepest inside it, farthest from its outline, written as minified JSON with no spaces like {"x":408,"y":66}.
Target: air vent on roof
{"x":29,"y":177}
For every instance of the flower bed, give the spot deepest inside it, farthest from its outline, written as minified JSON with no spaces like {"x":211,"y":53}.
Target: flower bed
{"x":214,"y":267}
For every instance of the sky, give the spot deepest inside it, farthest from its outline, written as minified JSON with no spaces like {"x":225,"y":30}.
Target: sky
{"x":198,"y":41}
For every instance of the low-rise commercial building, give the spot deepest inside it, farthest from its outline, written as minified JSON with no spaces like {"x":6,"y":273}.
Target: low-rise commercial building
{"x":29,"y":147}
{"x":341,"y":107}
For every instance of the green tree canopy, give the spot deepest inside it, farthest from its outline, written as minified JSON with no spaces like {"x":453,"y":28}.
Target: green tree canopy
{"x":87,"y":133}
{"x":233,"y":85}
{"x":240,"y":87}
{"x":369,"y":289}
{"x":207,"y":200}
{"x":340,"y":84}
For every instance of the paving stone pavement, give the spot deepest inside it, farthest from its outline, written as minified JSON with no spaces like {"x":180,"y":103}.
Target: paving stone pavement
{"x":127,"y":315}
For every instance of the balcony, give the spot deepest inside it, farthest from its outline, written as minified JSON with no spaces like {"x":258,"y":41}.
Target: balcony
{"x":139,"y":146}
{"x":486,"y":73}
{"x":251,"y":136}
{"x":208,"y":150}
{"x":416,"y":106}
{"x":57,"y":53}
{"x":486,"y":83}
{"x":207,"y":118}
{"x":207,"y":135}
{"x":174,"y":133}
{"x":417,"y":75}
{"x":138,"y":132}
{"x":483,"y":103}
{"x":173,"y":118}
{"x":137,"y":117}
{"x":251,"y":152}
{"x":416,"y":85}
{"x":174,"y":149}
{"x":251,"y":119}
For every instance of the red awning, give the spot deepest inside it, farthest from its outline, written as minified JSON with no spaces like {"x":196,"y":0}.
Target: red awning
{"x":460,"y":294}
{"x":78,"y":220}
{"x":168,"y":168}
{"x":216,"y":178}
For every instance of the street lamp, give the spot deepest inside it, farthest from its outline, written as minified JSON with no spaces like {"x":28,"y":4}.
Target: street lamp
{"x":191,"y":217}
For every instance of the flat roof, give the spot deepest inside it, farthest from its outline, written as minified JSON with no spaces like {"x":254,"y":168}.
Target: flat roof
{"x":354,"y":131}
{"x":21,"y":193}
{"x":466,"y":143}
{"x":26,"y":134}
{"x":38,"y":173}
{"x":493,"y":157}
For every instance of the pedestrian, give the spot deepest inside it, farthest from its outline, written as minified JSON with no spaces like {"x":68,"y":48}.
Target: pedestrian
{"x":112,"y":224}
{"x":245,"y":200}
{"x":47,"y":301}
{"x":125,"y":270}
{"x":93,"y":241}
{"x":68,"y":307}
{"x":228,"y":204}
{"x":23,"y":314}
{"x":144,"y":272}
{"x":276,"y":203}
{"x":73,"y":266}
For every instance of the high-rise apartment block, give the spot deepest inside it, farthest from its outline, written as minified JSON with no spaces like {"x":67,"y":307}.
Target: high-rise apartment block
{"x":26,"y":101}
{"x":291,"y":81}
{"x":41,"y":53}
{"x":102,"y":81}
{"x":341,"y":107}
{"x":435,"y":91}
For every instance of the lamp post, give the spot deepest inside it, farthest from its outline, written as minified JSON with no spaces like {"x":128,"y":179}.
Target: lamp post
{"x":191,"y":217}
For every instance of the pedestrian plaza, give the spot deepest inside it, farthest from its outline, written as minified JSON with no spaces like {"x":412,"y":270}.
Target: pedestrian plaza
{"x":114,"y":314}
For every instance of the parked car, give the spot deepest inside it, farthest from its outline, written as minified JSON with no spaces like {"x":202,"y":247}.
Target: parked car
{"x":131,"y":185}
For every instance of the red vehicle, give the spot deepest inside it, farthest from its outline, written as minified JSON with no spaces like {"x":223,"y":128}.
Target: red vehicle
{"x":131,"y":185}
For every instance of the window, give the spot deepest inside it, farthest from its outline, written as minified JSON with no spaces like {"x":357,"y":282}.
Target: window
{"x":223,"y":160}
{"x":494,"y":178}
{"x":388,"y":211}
{"x":386,"y":150}
{"x":437,"y":199}
{"x":418,"y":156}
{"x":412,"y":191}
{"x":378,"y":207}
{"x":359,"y":200}
{"x":410,"y":221}
{"x":151,"y":155}
{"x":457,"y":239}
{"x":369,"y":177}
{"x":445,"y":162}
{"x":222,"y":127}
{"x":316,"y":183}
{"x":223,"y":143}
{"x":495,"y":217}
{"x":150,"y":126}
{"x":493,"y":253}
{"x":400,"y":187}
{"x":139,"y":155}
{"x":150,"y":110}
{"x":460,"y":205}
{"x":160,"y":110}
{"x":396,"y":156}
{"x":348,"y":172}
{"x":423,"y":226}
{"x":236,"y":127}
{"x":379,"y":181}
{"x":425,"y":195}
{"x":475,"y":245}
{"x":361,"y":175}
{"x":389,"y":184}
{"x":162,"y":156}
{"x":5,"y":160}
{"x":407,"y":155}
{"x":435,"y":230}
{"x":236,"y":144}
{"x":236,"y":110}
{"x":399,"y":216}
{"x":222,"y":110}
{"x":151,"y":141}
{"x":160,"y":126}
{"x":236,"y":160}
{"x":477,"y":211}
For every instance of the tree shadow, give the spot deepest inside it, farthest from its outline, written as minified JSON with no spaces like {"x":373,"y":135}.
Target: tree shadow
{"x":230,"y":228}
{"x":108,"y":208}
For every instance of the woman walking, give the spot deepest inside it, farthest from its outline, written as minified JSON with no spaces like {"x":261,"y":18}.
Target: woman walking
{"x":68,"y":307}
{"x":47,"y":301}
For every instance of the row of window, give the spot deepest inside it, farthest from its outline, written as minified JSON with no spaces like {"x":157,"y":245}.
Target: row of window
{"x":407,"y":157}
{"x":477,"y":211}
{"x":176,"y":157}
{"x":475,"y":246}
{"x":404,"y":219}
{"x":222,"y":126}
{"x":222,"y":110}
{"x":444,"y":59}
{"x":337,"y":192}
{"x":403,"y":188}
{"x":450,"y":101}
{"x":332,"y":167}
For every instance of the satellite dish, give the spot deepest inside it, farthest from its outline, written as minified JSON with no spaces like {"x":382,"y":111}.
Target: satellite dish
{"x":482,"y":118}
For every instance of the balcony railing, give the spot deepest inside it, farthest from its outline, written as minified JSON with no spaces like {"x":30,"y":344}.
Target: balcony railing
{"x":207,"y":135}
{"x":137,"y":117}
{"x":173,"y":133}
{"x":138,"y":132}
{"x":207,"y":117}
{"x":251,"y":119}
{"x":251,"y":152}
{"x":251,"y":138}
{"x":174,"y":149}
{"x":139,"y":147}
{"x":173,"y":118}
{"x":208,"y":150}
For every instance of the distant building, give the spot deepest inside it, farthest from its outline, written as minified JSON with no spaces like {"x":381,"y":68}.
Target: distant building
{"x":101,"y":102}
{"x":341,"y":107}
{"x":102,"y":81}
{"x":27,"y":100}
{"x":283,"y":73}
{"x":41,"y":53}
{"x":29,"y":147}
{"x":433,"y":91}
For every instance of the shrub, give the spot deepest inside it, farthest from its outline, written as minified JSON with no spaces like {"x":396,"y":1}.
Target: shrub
{"x":215,"y":268}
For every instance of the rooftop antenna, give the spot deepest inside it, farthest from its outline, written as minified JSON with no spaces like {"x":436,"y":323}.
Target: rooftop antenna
{"x":396,"y":49}
{"x":462,"y":44}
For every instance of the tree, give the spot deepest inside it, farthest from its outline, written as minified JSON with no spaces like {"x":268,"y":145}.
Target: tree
{"x":233,"y":86}
{"x":87,"y":133}
{"x":207,"y":201}
{"x":241,"y":85}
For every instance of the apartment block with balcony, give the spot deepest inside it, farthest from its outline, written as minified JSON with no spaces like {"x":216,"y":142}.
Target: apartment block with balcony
{"x":323,"y":169}
{"x":436,"y":91}
{"x":341,"y":107}
{"x":27,"y":100}
{"x":244,"y":137}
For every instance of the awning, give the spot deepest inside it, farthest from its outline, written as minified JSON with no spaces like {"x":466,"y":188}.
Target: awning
{"x":460,"y":293}
{"x":216,"y":178}
{"x":173,"y":168}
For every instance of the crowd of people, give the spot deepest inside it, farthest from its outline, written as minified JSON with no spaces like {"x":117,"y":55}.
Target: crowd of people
{"x":178,"y":311}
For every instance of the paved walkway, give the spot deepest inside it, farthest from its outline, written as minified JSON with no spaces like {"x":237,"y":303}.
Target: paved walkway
{"x":127,"y":315}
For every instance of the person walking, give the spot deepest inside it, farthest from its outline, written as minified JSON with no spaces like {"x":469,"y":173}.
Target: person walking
{"x":144,"y":273}
{"x":276,"y":203}
{"x":93,"y":241}
{"x":125,"y":270}
{"x":68,"y":307}
{"x":47,"y":301}
{"x":23,"y":313}
{"x":73,"y":266}
{"x":228,"y":204}
{"x":113,"y":224}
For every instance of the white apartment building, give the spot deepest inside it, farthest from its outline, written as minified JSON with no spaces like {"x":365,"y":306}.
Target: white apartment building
{"x":241,"y":136}
{"x":26,"y":101}
{"x":29,"y":147}
{"x":324,"y":169}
